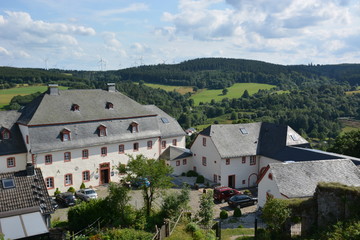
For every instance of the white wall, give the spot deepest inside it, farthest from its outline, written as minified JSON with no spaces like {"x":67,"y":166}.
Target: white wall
{"x":182,"y":168}
{"x":20,"y":162}
{"x":266,"y":185}
{"x":169,"y":142}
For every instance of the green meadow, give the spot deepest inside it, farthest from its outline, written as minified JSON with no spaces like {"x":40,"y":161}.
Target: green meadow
{"x":179,"y":89}
{"x":7,"y":94}
{"x":235,"y":91}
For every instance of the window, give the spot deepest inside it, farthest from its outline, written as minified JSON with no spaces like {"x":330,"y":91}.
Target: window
{"x":294,"y":137}
{"x":149,"y":144}
{"x":164,"y":120}
{"x":8,"y":183}
{"x":228,"y":161}
{"x":103,"y":151}
{"x":5,"y":134}
{"x":163,"y":144}
{"x":184,"y":161}
{"x":109,"y":105}
{"x":48,"y":159}
{"x":215,"y":178}
{"x":174,"y":142}
{"x":134,"y":127}
{"x":67,"y":156}
{"x":243,"y":131}
{"x":121,"y":148}
{"x":204,"y":161}
{"x":136,"y":147}
{"x":68,"y":179}
{"x":252,"y":160}
{"x":27,"y":139}
{"x":10,"y":162}
{"x":86,"y":176}
{"x":85,"y":154}
{"x":204,"y":142}
{"x":243,"y":181}
{"x":102,"y":131}
{"x":219,"y":178}
{"x":75,"y":108}
{"x":270,"y":176}
{"x":243,"y":160}
{"x":65,"y":135}
{"x":49,"y":182}
{"x":178,"y":163}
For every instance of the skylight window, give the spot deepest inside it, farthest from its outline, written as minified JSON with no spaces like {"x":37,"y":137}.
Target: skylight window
{"x":243,"y":131}
{"x":294,"y":137}
{"x":8,"y":183}
{"x":164,"y":120}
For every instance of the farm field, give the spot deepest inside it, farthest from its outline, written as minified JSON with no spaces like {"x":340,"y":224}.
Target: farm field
{"x":349,"y":125}
{"x":179,"y":89}
{"x":235,"y":91}
{"x":7,"y":94}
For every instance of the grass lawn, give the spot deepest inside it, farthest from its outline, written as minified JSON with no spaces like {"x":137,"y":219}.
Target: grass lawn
{"x":352,"y":92}
{"x":179,"y":89}
{"x":7,"y":94}
{"x":243,"y":233}
{"x":235,"y":91}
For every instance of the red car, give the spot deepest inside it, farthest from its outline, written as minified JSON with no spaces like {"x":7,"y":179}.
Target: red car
{"x":222,"y":194}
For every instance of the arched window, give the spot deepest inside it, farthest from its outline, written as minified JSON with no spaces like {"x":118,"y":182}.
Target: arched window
{"x":5,"y":134}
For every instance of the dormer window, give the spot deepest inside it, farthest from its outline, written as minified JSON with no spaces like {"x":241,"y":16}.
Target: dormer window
{"x":109,"y":105}
{"x":75,"y":108}
{"x":134,"y":127}
{"x":102,"y":131}
{"x":65,"y":135}
{"x":5,"y":134}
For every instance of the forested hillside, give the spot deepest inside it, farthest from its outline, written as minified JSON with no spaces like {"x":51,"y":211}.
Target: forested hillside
{"x":314,"y":100}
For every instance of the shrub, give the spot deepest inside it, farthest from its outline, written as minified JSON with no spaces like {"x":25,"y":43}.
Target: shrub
{"x":198,"y":235}
{"x":200,"y":179}
{"x":237,"y":212}
{"x":192,"y":227}
{"x":224,"y":214}
{"x":82,"y":186}
{"x":240,"y":226}
{"x":247,"y":192}
{"x":191,"y":173}
{"x":183,"y":174}
{"x":57,"y":192}
{"x":71,"y":189}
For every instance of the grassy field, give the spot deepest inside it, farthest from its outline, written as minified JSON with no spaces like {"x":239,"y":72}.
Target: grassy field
{"x":7,"y":94}
{"x":235,"y":91}
{"x":179,"y":89}
{"x":349,"y":125}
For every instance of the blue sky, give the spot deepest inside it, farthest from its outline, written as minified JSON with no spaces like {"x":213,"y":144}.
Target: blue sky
{"x":113,"y":34}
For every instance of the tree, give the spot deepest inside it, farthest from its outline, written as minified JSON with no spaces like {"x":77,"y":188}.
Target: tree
{"x":245,"y":94}
{"x":206,"y":211}
{"x":348,"y":144}
{"x":119,"y":199}
{"x":275,"y":213}
{"x":225,"y":91}
{"x":156,"y":171}
{"x":174,"y":202}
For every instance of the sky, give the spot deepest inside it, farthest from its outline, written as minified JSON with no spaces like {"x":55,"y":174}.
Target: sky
{"x":117,"y":34}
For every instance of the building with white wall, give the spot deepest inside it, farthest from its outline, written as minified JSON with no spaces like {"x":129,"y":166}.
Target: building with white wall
{"x":77,"y":136}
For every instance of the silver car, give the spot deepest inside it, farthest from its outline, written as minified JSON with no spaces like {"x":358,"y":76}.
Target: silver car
{"x":86,"y":194}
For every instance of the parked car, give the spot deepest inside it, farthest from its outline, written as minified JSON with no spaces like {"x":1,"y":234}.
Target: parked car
{"x":222,"y":194}
{"x":140,"y":181}
{"x":86,"y":194}
{"x":241,"y":200}
{"x":53,"y":203}
{"x":66,"y":199}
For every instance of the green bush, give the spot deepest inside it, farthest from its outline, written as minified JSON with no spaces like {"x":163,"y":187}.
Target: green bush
{"x":247,"y":192}
{"x":71,"y":189}
{"x":224,"y":214}
{"x":263,"y":234}
{"x":82,"y":186}
{"x":192,"y":173}
{"x":200,"y":179}
{"x":237,"y":212}
{"x":192,"y":227}
{"x":57,"y":192}
{"x":198,"y":235}
{"x":183,"y":174}
{"x":123,"y":234}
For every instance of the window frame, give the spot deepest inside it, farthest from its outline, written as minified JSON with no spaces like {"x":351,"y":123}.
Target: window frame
{"x":227,"y":161}
{"x":163,"y":144}
{"x":177,"y":163}
{"x":85,"y":156}
{"x":149,"y":144}
{"x":135,"y":146}
{"x":102,"y":131}
{"x":6,"y":134}
{"x":243,"y":160}
{"x":13,"y":162}
{"x":204,"y":163}
{"x":52,"y":181}
{"x":71,"y":179}
{"x":83,"y":174}
{"x":174,"y":142}
{"x":48,"y":156}
{"x":253,"y":160}
{"x":184,"y":161}
{"x":134,"y":127}
{"x":69,"y":154}
{"x":121,"y":146}
{"x":65,"y":132}
{"x":103,"y":151}
{"x":204,"y":141}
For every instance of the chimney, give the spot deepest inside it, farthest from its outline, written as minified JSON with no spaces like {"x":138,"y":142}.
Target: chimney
{"x":111,"y":87}
{"x":30,"y":170}
{"x":53,"y":89}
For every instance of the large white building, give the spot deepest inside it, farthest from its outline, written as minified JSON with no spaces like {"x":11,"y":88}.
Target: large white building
{"x":77,"y":136}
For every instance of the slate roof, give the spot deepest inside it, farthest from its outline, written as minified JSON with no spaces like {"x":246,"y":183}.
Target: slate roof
{"x":173,"y":153}
{"x":259,"y":138}
{"x":15,"y":144}
{"x":299,"y":179}
{"x":29,"y":191}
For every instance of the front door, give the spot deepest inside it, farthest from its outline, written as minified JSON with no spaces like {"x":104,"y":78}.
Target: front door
{"x":104,"y":173}
{"x":231,"y":181}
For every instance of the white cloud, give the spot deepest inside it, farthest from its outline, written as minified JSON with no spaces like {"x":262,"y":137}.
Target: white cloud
{"x":4,"y":52}
{"x":135,"y":7}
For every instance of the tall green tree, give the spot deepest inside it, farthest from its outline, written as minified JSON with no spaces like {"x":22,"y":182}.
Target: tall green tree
{"x":206,"y":211}
{"x":348,"y":144}
{"x":156,"y":171}
{"x":118,"y":199}
{"x":275,"y":213}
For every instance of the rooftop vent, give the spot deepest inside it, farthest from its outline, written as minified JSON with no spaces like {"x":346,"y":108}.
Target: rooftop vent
{"x":111,"y":87}
{"x":243,"y":131}
{"x":53,"y":89}
{"x":30,"y":170}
